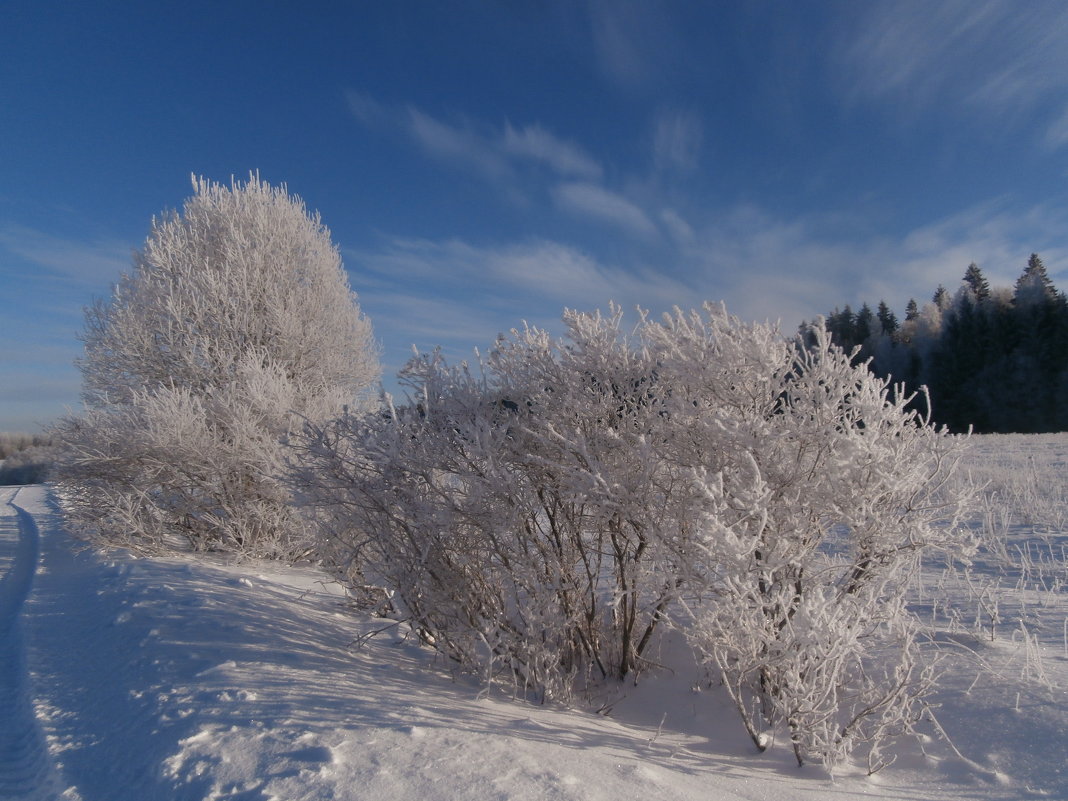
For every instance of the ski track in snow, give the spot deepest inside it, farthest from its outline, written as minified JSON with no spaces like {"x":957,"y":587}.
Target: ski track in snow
{"x":197,"y":679}
{"x":26,"y":768}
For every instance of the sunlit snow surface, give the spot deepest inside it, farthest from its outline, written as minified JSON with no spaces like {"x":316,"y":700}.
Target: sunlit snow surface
{"x":201,"y":679}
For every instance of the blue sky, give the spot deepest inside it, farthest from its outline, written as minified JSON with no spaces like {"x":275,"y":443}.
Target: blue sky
{"x":484,"y":163}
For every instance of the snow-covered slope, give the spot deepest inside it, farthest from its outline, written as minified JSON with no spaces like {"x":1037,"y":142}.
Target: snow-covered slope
{"x":200,"y":679}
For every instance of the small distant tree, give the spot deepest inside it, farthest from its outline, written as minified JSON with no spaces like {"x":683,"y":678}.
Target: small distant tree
{"x":976,"y":281}
{"x":887,"y":318}
{"x":1040,"y":358}
{"x":865,"y":324}
{"x":842,"y":327}
{"x":1034,"y":285}
{"x":236,"y":324}
{"x":912,"y":310}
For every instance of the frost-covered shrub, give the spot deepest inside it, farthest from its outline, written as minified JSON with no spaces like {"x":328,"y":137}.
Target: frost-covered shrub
{"x":819,"y":492}
{"x":513,"y":512}
{"x":548,"y":513}
{"x":236,"y":324}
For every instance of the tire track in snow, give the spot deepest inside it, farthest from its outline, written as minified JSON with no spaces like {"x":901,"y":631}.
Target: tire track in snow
{"x":26,"y":768}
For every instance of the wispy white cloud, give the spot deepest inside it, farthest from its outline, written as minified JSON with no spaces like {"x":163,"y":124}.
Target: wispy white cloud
{"x":598,"y":203}
{"x":367,"y":110}
{"x":565,"y":158}
{"x":1057,"y":132}
{"x":571,"y":176}
{"x":677,"y":140}
{"x":462,"y":295}
{"x":999,"y":57}
{"x":508,"y":277}
{"x":794,"y":269}
{"x":457,"y":145}
{"x":635,"y":44}
{"x":906,"y":48}
{"x":95,"y":263}
{"x":680,"y":230}
{"x":998,"y":237}
{"x":1029,"y":55}
{"x":492,"y":152}
{"x":617,"y":40}
{"x":47,"y":280}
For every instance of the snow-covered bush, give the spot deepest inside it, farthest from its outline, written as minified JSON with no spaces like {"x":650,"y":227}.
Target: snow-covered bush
{"x":548,"y":512}
{"x":236,"y":324}
{"x":820,"y":491}
{"x":513,"y":512}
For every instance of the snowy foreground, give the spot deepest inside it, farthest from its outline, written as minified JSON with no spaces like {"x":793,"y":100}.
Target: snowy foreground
{"x":143,"y":679}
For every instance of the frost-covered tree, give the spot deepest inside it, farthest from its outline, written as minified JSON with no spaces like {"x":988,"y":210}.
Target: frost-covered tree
{"x":236,"y":324}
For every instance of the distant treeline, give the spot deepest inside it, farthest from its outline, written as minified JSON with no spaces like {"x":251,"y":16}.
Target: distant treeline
{"x":26,"y":458}
{"x":12,"y":443}
{"x":994,"y":359}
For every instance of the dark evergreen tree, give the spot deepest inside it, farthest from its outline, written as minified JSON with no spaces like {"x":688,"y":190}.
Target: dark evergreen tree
{"x":954,"y":363}
{"x":887,"y":318}
{"x":1034,"y":285}
{"x":1059,"y":364}
{"x":841,"y":325}
{"x":995,"y":383}
{"x":941,"y":298}
{"x":912,"y":311}
{"x":1035,"y":362}
{"x":864,"y":326}
{"x":975,"y":279}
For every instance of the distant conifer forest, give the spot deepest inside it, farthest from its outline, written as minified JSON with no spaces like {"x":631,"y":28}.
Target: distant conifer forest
{"x":993,"y":359}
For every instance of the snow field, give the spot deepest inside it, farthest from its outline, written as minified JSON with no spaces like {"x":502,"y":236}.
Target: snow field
{"x":210,"y":679}
{"x":182,"y":679}
{"x":1002,"y":621}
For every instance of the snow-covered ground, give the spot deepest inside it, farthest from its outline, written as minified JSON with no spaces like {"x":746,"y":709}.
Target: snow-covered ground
{"x":141,"y":679}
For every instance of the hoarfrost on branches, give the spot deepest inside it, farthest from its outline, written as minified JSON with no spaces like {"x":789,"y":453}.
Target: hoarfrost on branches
{"x":543,"y":516}
{"x":236,"y":324}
